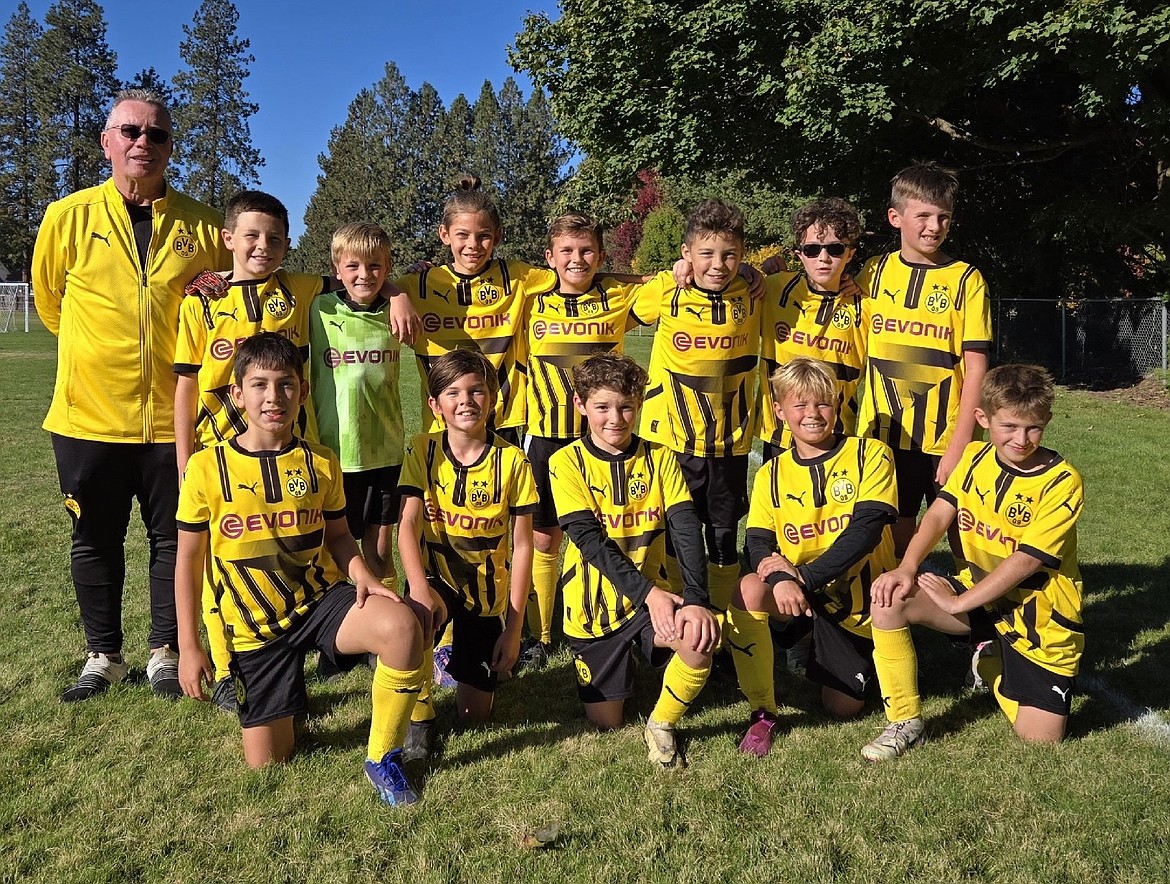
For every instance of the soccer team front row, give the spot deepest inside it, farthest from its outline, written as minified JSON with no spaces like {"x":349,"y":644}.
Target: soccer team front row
{"x":651,"y":517}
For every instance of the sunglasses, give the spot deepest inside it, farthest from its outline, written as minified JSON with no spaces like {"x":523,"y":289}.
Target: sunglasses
{"x":153,"y":134}
{"x":813,"y":249}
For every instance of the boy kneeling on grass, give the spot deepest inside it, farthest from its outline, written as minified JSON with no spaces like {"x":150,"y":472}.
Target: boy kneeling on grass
{"x":264,"y":506}
{"x":616,"y":498}
{"x":1018,"y":590}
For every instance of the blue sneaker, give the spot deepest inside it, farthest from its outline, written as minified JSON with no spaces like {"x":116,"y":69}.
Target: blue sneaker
{"x":441,"y":678}
{"x":389,"y":780}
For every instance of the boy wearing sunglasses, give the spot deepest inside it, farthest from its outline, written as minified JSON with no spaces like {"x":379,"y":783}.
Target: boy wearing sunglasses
{"x":929,"y":326}
{"x":809,"y":312}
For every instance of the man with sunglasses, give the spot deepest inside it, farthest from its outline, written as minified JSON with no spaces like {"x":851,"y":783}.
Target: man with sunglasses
{"x":108,"y":272}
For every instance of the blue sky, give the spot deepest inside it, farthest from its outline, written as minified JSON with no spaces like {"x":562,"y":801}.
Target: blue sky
{"x":313,"y":57}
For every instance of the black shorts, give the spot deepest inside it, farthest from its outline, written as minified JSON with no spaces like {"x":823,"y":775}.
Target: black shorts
{"x":270,"y":681}
{"x":605,"y":666}
{"x":1030,"y":684}
{"x":914,"y":472}
{"x":539,"y":449}
{"x":371,"y":498}
{"x":473,"y":642}
{"x":840,"y":659}
{"x":718,"y":486}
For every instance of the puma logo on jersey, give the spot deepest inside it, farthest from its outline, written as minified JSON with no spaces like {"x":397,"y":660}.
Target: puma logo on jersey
{"x":982,"y":495}
{"x":1063,"y":694}
{"x":697,"y":312}
{"x":446,"y":296}
{"x":600,"y":491}
{"x":892,"y":295}
{"x":105,"y":239}
{"x":799,"y":498}
{"x":442,"y":486}
{"x":337,"y":325}
{"x":801,"y":307}
{"x":251,"y":487}
{"x":747,"y":652}
{"x":231,"y":314}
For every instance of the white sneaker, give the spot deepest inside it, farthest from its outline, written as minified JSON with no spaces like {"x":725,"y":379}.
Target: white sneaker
{"x":162,"y":671}
{"x":663,"y":745}
{"x":98,"y":673}
{"x":898,"y":738}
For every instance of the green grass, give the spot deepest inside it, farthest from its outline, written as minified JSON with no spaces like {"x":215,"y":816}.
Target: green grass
{"x":126,"y":788}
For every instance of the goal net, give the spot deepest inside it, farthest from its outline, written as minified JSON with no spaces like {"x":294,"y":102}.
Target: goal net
{"x":14,"y":306}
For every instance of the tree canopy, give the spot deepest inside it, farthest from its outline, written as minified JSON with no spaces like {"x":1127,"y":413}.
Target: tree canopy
{"x":1056,"y":116}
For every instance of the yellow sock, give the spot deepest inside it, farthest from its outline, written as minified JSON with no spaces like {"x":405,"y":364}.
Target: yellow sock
{"x":393,"y":694}
{"x":680,"y":685}
{"x":1010,"y":707}
{"x":542,"y":600}
{"x":448,"y":638}
{"x":721,"y":583}
{"x":750,"y":641}
{"x":217,"y":644}
{"x":424,"y":708}
{"x":897,"y":671}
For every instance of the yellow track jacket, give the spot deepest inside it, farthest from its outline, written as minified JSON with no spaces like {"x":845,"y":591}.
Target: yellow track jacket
{"x":117,"y":321}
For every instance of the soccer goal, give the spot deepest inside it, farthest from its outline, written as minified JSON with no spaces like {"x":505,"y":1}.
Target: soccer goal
{"x":14,"y":298}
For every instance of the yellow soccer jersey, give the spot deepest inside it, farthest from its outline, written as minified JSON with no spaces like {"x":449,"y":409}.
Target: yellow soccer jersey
{"x":631,"y":495}
{"x":483,"y":312}
{"x":211,"y":330}
{"x":562,"y":330}
{"x":702,"y":368}
{"x":920,"y":320}
{"x":265,"y":513}
{"x":467,"y":512}
{"x":1002,"y":510}
{"x":799,"y":322}
{"x":806,"y":504}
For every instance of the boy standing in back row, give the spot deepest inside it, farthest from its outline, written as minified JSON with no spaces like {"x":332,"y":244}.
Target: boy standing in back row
{"x":929,"y":325}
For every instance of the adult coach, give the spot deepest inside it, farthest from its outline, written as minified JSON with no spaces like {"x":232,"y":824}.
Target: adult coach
{"x":108,"y":269}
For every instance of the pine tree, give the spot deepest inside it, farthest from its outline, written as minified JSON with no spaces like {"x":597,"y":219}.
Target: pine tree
{"x":149,"y":78}
{"x":484,"y":159}
{"x":75,"y":69}
{"x":216,"y":158}
{"x":25,"y":189}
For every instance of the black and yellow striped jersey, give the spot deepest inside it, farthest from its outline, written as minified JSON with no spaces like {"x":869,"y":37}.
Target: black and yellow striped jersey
{"x":265,"y":514}
{"x":1001,"y":511}
{"x":826,"y":327}
{"x":483,"y":312}
{"x":920,"y":319}
{"x":211,"y":330}
{"x":701,"y":396}
{"x":630,"y":494}
{"x":563,"y":330}
{"x":807,"y":504}
{"x":467,"y":515}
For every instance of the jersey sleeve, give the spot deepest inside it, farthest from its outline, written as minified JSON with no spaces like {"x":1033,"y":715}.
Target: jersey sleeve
{"x":977,"y":315}
{"x":522,"y":497}
{"x":333,"y":503}
{"x":761,"y":513}
{"x":674,"y":485}
{"x":413,"y":480}
{"x":649,"y":296}
{"x":952,"y":491}
{"x":48,"y":270}
{"x":531,"y":277}
{"x":1046,"y":536}
{"x":877,"y":479}
{"x":192,"y":341}
{"x":569,"y":487}
{"x":193,"y":513}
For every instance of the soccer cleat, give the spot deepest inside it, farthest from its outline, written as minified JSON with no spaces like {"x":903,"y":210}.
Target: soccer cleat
{"x":975,"y":682}
{"x":389,"y":780}
{"x":162,"y":671}
{"x":442,"y":658}
{"x":758,"y":739}
{"x":663,"y":746}
{"x":224,"y":695}
{"x":99,"y":672}
{"x":533,"y":654}
{"x":895,"y":740}
{"x":418,"y":742}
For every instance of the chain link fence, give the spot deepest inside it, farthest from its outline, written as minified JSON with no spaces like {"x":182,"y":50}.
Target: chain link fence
{"x":1122,"y":338}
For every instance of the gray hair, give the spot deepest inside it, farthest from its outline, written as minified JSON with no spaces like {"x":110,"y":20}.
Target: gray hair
{"x":148,"y":96}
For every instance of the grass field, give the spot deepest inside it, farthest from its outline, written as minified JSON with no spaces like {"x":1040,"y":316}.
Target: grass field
{"x":127,"y":788}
